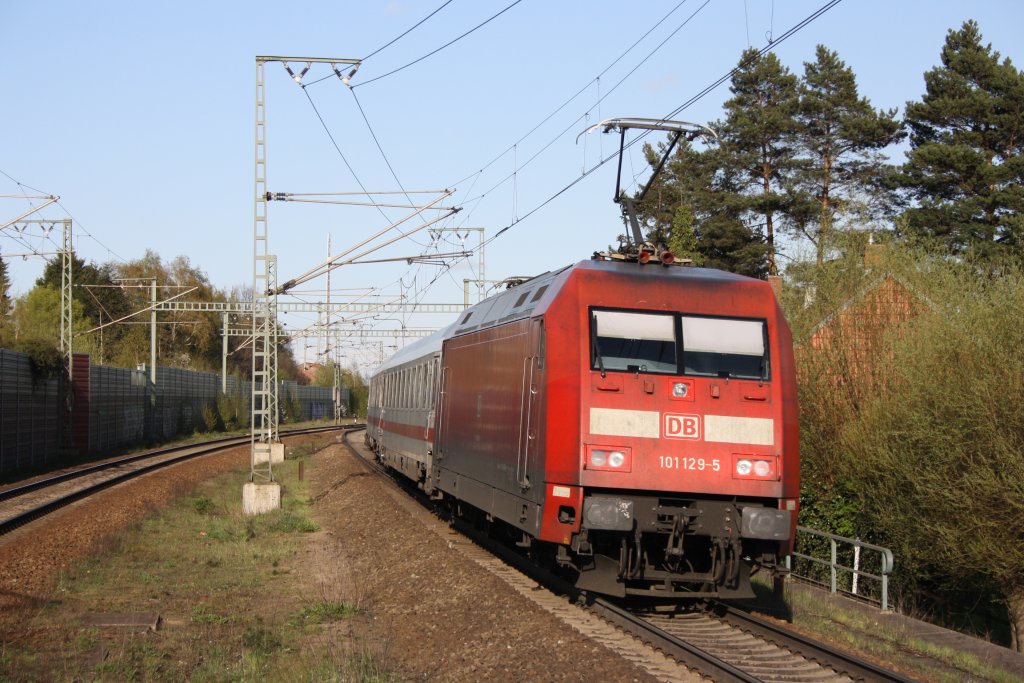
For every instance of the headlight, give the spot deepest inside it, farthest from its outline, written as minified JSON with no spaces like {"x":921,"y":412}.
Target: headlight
{"x":609,"y":459}
{"x":755,"y":467}
{"x":680,"y":389}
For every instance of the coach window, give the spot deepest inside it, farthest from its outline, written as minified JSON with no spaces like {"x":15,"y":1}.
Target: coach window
{"x":424,"y":382}
{"x":723,"y":347}
{"x":425,"y":377}
{"x":633,"y":342}
{"x":418,"y":395}
{"x":427,"y":383}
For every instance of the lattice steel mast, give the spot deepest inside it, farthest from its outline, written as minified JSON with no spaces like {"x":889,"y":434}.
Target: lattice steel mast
{"x":264,"y":416}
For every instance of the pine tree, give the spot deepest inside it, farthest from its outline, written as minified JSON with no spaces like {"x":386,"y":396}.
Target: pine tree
{"x":93,"y":288}
{"x":841,"y":136}
{"x":965,"y":170}
{"x":758,"y":141}
{"x":692,"y":208}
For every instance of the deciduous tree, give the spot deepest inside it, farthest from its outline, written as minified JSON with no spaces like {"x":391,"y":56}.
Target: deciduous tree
{"x":6,"y":306}
{"x":935,"y":453}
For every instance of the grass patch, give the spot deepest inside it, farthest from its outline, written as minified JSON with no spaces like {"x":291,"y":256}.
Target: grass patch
{"x":222,"y":583}
{"x":288,"y":522}
{"x":203,"y":505}
{"x":261,"y":640}
{"x":307,"y":448}
{"x":201,"y":614}
{"x":327,"y":611}
{"x":886,"y":641}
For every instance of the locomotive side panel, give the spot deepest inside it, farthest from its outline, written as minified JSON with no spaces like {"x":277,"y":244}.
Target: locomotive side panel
{"x":488,"y":447}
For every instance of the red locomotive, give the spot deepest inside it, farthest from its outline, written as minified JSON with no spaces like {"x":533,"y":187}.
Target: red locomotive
{"x":637,"y":422}
{"x":634,"y":420}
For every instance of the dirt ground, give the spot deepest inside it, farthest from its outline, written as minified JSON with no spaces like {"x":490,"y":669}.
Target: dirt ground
{"x":425,"y":611}
{"x":429,"y":612}
{"x":32,"y":557}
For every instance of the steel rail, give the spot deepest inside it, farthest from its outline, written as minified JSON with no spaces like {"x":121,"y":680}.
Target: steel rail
{"x":813,"y":650}
{"x":22,"y":489}
{"x":224,"y":442}
{"x":704,"y":662}
{"x":205,"y":448}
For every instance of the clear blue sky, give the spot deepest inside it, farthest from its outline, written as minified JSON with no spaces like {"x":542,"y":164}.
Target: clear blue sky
{"x":140,"y":116}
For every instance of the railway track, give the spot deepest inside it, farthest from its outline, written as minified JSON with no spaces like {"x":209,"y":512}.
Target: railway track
{"x":724,"y":644}
{"x":753,"y":649}
{"x":22,"y":504}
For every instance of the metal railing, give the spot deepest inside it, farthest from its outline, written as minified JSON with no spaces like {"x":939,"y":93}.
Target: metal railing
{"x":856,"y":572}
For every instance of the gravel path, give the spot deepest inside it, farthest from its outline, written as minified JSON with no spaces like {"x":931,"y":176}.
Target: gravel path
{"x":433,"y":614}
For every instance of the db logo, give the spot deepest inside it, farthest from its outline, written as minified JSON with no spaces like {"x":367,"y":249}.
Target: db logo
{"x":682,"y":426}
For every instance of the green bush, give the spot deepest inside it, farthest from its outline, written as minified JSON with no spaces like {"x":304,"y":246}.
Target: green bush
{"x":203,"y":505}
{"x":45,"y":359}
{"x":912,"y":438}
{"x":226,"y":412}
{"x":211,"y":418}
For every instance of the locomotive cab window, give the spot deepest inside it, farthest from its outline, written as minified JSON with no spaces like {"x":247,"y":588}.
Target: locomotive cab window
{"x":676,"y":344}
{"x":723,"y":347}
{"x":633,"y":342}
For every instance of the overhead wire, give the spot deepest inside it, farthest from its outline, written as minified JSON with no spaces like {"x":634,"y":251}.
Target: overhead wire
{"x":434,"y":52}
{"x":577,"y":94}
{"x":601,"y":97}
{"x":384,"y":156}
{"x":576,"y":121}
{"x":700,"y":95}
{"x":388,"y":44}
{"x":338,"y":148}
{"x":417,"y":267}
{"x":78,"y":224}
{"x":407,"y":32}
{"x":518,"y":219}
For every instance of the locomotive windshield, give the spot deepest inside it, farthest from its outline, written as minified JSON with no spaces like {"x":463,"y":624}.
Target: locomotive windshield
{"x":665,"y":343}
{"x":637,"y":342}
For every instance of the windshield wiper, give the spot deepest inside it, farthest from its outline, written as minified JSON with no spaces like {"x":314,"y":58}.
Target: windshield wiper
{"x":595,"y":349}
